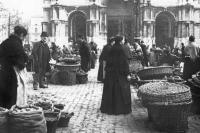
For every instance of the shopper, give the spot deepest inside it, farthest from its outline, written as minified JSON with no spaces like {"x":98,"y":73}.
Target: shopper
{"x":41,"y":57}
{"x":103,"y":57}
{"x":116,"y":98}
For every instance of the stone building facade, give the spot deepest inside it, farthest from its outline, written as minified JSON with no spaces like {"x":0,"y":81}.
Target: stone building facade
{"x":149,"y":20}
{"x":65,"y":22}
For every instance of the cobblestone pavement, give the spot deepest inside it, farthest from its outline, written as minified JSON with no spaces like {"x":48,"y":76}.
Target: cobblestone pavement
{"x":84,"y":100}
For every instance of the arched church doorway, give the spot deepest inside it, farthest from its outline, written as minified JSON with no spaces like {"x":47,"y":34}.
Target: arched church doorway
{"x":77,"y":25}
{"x":165,"y":29}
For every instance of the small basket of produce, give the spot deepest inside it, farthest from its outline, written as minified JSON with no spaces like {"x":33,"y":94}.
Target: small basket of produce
{"x":44,"y":105}
{"x":81,"y":77}
{"x":168,"y":105}
{"x":59,"y":106}
{"x":155,"y":72}
{"x":52,"y":119}
{"x":64,"y":119}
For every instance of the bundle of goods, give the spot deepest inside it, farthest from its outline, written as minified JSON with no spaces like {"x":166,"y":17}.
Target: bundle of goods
{"x":81,"y":77}
{"x":168,"y":105}
{"x":155,"y":72}
{"x":64,"y":119}
{"x":3,"y":120}
{"x":22,"y":119}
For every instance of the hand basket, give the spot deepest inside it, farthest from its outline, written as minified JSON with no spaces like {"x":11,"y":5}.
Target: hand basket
{"x":52,"y":119}
{"x":64,"y":119}
{"x":171,"y":118}
{"x":81,"y":78}
{"x":155,"y":72}
{"x":164,"y":92}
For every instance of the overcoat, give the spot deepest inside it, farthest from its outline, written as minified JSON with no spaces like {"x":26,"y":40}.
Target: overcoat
{"x":11,"y":54}
{"x":41,"y":57}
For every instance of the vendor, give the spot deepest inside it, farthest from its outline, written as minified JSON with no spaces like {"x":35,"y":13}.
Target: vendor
{"x":168,"y":59}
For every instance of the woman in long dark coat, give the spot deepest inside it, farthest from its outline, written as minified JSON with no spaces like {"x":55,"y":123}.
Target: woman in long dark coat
{"x":116,"y":98}
{"x":84,"y":52}
{"x":103,"y":57}
{"x":12,"y":55}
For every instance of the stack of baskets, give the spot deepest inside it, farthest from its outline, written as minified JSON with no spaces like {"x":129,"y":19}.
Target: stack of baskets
{"x":168,"y":105}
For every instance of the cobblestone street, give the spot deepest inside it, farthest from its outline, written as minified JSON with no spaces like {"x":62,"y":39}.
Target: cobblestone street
{"x":84,"y":100}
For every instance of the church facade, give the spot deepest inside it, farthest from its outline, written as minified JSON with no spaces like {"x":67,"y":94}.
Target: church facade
{"x":147,"y":20}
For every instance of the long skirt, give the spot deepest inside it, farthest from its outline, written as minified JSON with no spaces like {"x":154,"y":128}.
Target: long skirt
{"x":100,"y":72}
{"x":116,"y":98}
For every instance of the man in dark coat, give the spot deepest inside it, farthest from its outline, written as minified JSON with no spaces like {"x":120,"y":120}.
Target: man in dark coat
{"x":41,"y":57}
{"x":12,"y":55}
{"x":144,"y":51}
{"x":84,"y":52}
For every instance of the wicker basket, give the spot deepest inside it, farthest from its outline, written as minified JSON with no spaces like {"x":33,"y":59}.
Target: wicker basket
{"x":164,"y":92}
{"x":64,"y":119}
{"x":81,"y":78}
{"x":155,"y":72}
{"x":52,"y":119}
{"x":67,"y":67}
{"x":171,"y":118}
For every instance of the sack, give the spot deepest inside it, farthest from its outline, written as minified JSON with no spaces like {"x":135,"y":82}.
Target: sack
{"x":21,"y":89}
{"x":27,"y":122}
{"x":3,"y":120}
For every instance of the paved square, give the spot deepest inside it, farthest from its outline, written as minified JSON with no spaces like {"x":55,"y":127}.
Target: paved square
{"x":85,"y":99}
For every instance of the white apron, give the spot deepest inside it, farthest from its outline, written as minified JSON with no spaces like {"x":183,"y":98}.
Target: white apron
{"x":21,"y":89}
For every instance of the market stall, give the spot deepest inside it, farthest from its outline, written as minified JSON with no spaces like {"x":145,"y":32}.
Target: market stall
{"x":67,"y":71}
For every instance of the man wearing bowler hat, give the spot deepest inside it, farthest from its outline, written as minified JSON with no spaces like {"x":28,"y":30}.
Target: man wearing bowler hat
{"x":41,"y":58}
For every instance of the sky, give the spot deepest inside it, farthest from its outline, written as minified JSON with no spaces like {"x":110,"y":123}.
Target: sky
{"x":28,"y":7}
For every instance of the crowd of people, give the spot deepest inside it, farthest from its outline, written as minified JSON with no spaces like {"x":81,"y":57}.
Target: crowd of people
{"x":114,"y":69}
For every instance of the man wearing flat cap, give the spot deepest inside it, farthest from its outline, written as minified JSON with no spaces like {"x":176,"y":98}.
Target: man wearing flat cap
{"x":41,"y":58}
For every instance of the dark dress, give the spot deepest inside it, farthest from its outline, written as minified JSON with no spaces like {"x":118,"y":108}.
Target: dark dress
{"x":116,"y":98}
{"x":11,"y":54}
{"x":103,"y":57}
{"x":84,"y":52}
{"x":145,"y":56}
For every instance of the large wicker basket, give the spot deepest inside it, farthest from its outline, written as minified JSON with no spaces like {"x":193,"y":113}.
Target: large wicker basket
{"x":155,"y":72}
{"x":168,"y":105}
{"x":164,"y":92}
{"x":171,"y":118}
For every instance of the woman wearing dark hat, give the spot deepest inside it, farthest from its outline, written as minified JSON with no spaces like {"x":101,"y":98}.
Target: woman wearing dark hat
{"x":12,"y":57}
{"x":116,"y":98}
{"x":41,"y":58}
{"x":103,"y":57}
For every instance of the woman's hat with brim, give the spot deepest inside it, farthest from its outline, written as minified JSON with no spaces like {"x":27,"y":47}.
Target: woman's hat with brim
{"x":44,"y":34}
